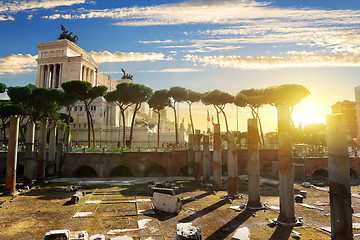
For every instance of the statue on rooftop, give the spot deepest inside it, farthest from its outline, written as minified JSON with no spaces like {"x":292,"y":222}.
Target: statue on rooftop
{"x":126,"y":75}
{"x":65,"y":35}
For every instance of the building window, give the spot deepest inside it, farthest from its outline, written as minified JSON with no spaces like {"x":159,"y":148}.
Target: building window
{"x":75,"y":109}
{"x":80,"y":109}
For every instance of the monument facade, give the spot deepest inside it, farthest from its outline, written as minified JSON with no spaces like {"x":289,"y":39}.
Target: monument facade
{"x":61,"y":61}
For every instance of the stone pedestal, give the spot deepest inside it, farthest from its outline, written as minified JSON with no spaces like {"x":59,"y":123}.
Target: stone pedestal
{"x":253,"y":165}
{"x":206,"y":159}
{"x":52,"y":149}
{"x":11,"y":161}
{"x":286,"y":170}
{"x":232,"y":166}
{"x":28,"y":163}
{"x":217,"y":161}
{"x":339,"y":176}
{"x":197,"y":155}
{"x":191,"y":155}
{"x":42,"y":151}
{"x":167,"y":203}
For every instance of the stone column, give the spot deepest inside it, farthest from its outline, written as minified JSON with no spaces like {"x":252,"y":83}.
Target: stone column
{"x":41,"y":77}
{"x":206,"y":159}
{"x":60,"y":74}
{"x":232,"y":166}
{"x":286,"y":170}
{"x":11,"y":162}
{"x":59,"y":149}
{"x":44,"y":78}
{"x":197,"y":155}
{"x":52,"y":149}
{"x":253,"y":166}
{"x":217,"y":161}
{"x":28,"y":163}
{"x":56,"y":76}
{"x":42,"y":151}
{"x":191,"y":155}
{"x":339,"y":176}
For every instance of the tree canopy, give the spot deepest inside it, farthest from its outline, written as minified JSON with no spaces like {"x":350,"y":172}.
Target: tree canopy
{"x":86,"y":93}
{"x":158,"y":101}
{"x":219,"y":100}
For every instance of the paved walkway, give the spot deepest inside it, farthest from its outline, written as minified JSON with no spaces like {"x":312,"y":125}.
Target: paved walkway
{"x":120,"y":181}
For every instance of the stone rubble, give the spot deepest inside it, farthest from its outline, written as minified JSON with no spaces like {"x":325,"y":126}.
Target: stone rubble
{"x":186,"y":231}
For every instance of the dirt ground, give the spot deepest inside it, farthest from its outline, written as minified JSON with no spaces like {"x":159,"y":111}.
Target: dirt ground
{"x":39,"y":210}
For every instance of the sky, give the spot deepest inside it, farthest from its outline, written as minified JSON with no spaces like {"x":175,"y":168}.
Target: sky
{"x":200,"y":45}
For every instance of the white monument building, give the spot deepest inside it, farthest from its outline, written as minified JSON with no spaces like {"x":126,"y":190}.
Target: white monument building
{"x":61,"y":61}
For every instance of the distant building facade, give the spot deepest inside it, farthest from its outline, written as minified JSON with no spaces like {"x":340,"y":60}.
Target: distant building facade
{"x":61,"y":61}
{"x":349,"y":109}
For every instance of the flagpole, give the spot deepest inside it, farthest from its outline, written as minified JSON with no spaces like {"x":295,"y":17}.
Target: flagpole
{"x":207,"y":121}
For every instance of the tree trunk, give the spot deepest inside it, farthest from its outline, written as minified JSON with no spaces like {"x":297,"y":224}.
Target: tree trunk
{"x":89,"y":128}
{"x":261,"y":131}
{"x":226,"y":123}
{"x":93,"y":130}
{"x":191,"y":120}
{"x":158,"y":132}
{"x":4,"y":130}
{"x":137,"y":107}
{"x":217,"y":114}
{"x":176,"y":131}
{"x":123,"y":120}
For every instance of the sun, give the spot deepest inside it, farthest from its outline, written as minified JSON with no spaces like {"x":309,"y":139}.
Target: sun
{"x":308,"y":112}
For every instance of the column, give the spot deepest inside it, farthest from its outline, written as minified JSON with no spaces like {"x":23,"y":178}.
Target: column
{"x":191,"y":155}
{"x":59,"y":149}
{"x":339,"y":176}
{"x":42,"y":151}
{"x":232,"y":165}
{"x":206,"y":159}
{"x":28,"y":163}
{"x":52,"y":148}
{"x":11,"y":161}
{"x":197,"y":155}
{"x":83,"y":73}
{"x":217,"y":161}
{"x":56,"y":76}
{"x":60,"y":73}
{"x":44,"y":76}
{"x":286,"y":170}
{"x":51,"y":77}
{"x":253,"y":165}
{"x":92,"y":78}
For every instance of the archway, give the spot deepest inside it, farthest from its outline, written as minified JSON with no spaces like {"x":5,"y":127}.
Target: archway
{"x":321,"y":172}
{"x":156,"y":171}
{"x":121,"y":171}
{"x":353,"y":173}
{"x":85,"y":171}
{"x":184,"y":171}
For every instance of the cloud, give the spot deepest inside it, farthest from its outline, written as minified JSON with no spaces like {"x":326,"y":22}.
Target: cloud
{"x":293,"y":59}
{"x":177,"y":70}
{"x":248,"y":20}
{"x":12,"y":7}
{"x":6,"y":18}
{"x":212,"y":12}
{"x":16,"y":64}
{"x":18,"y":6}
{"x":105,"y":56}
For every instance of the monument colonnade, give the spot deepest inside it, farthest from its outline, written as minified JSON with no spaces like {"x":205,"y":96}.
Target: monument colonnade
{"x":51,"y":75}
